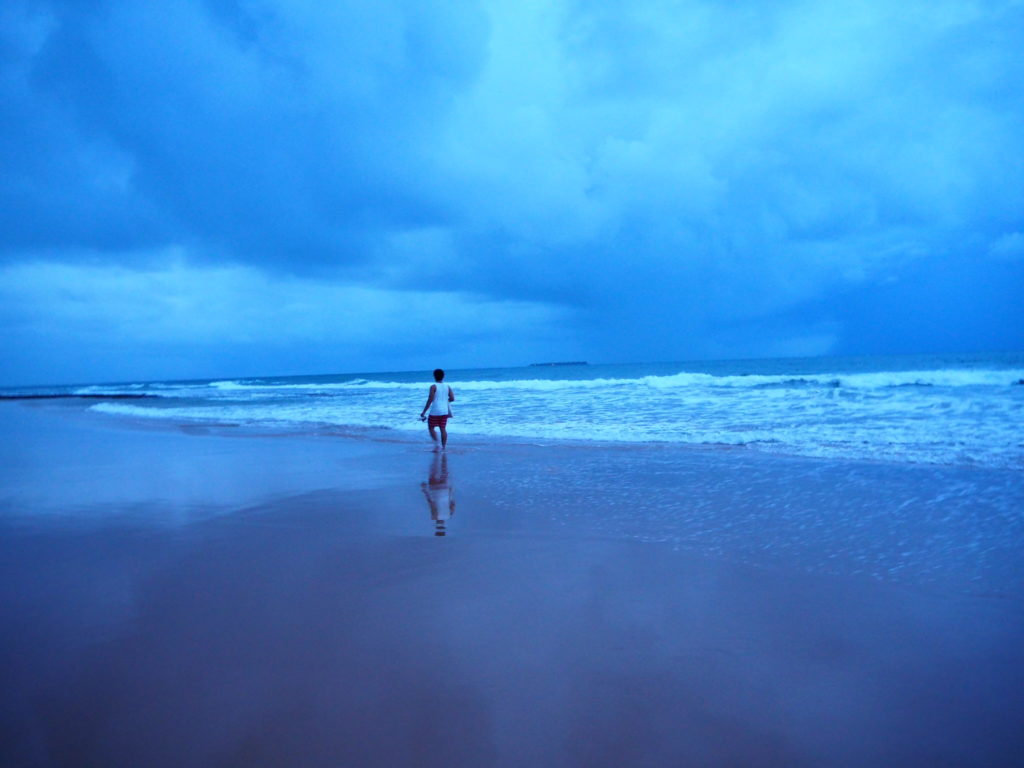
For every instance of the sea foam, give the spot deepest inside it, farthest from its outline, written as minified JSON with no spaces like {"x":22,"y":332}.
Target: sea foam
{"x":944,"y":414}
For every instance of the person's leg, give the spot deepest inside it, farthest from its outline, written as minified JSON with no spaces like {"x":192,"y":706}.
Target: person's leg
{"x":433,"y":434}
{"x":444,"y":436}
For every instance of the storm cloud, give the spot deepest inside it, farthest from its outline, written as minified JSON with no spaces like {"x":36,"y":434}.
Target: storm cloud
{"x":232,"y":187}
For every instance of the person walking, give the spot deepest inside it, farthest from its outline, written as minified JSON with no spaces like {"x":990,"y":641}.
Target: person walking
{"x":438,"y":400}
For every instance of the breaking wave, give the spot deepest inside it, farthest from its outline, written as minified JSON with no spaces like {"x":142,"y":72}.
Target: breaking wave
{"x":881,"y":380}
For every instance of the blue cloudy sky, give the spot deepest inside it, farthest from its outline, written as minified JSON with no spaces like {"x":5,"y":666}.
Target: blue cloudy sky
{"x":196,"y":188}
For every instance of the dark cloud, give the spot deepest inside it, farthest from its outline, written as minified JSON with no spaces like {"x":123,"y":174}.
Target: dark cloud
{"x":670,"y":179}
{"x":281,"y":135}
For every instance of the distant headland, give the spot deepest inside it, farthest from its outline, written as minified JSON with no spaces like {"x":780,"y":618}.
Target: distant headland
{"x":572,"y":362}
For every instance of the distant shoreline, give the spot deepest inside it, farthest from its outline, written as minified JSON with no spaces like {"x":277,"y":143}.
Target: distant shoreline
{"x":548,"y":365}
{"x":71,"y":396}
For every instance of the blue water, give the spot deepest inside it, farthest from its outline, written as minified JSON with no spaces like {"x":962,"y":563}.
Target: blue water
{"x":954,"y":410}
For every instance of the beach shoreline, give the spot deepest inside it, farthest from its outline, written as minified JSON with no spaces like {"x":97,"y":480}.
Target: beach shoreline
{"x":72,"y":406}
{"x":937,"y":410}
{"x":193,"y":598}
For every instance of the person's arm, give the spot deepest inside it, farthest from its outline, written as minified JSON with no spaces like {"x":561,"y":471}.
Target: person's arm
{"x":430,"y":399}
{"x":451,"y":394}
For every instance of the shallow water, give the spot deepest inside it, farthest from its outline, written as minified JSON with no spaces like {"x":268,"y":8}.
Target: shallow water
{"x":955,"y":528}
{"x":963,"y":411}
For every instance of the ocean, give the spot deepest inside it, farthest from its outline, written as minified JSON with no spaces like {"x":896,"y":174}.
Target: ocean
{"x":949,"y":410}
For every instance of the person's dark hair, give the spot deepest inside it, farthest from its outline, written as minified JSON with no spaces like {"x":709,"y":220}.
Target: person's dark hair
{"x":438,"y":374}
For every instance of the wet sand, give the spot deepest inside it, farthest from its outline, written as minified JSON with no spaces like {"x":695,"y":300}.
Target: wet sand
{"x":175,"y":599}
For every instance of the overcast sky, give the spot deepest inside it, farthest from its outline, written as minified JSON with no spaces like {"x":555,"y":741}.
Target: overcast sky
{"x":194,"y":188}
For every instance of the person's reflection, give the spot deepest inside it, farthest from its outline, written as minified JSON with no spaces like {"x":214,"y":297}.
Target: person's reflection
{"x":439,"y":493}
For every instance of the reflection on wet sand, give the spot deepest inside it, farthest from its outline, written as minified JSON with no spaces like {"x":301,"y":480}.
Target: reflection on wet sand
{"x":439,"y":493}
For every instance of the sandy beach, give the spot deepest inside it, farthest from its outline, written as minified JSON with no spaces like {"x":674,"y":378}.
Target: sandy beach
{"x":209,"y":597}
